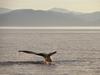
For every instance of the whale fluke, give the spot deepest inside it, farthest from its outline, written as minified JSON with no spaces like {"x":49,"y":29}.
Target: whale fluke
{"x":46,"y":56}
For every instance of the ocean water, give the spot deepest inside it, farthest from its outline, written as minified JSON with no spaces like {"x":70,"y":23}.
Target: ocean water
{"x":78,"y":52}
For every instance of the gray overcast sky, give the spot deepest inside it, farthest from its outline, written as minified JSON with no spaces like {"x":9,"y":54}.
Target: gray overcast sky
{"x":74,"y":5}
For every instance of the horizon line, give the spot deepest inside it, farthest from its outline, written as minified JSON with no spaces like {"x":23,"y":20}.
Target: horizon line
{"x":76,"y":28}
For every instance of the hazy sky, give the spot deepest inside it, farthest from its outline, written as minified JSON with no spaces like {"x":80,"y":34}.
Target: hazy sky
{"x":74,"y":5}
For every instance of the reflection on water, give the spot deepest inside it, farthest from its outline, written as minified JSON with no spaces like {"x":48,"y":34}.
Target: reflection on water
{"x":60,"y":67}
{"x":9,"y":63}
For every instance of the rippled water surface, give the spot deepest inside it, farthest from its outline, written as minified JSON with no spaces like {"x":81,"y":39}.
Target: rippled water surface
{"x":78,"y":52}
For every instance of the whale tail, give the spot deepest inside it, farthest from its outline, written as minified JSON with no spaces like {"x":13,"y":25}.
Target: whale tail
{"x":47,"y":58}
{"x":40,"y":54}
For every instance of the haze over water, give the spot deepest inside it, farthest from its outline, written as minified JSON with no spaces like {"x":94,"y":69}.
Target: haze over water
{"x":78,"y":52}
{"x":70,"y":27}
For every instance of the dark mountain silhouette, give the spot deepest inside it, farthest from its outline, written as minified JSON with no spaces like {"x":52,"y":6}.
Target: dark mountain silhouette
{"x":29,"y":17}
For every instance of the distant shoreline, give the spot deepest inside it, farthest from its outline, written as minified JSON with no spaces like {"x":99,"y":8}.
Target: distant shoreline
{"x":68,"y":28}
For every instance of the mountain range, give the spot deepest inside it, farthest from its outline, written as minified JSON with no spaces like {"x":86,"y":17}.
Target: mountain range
{"x":4,"y":10}
{"x":49,"y":18}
